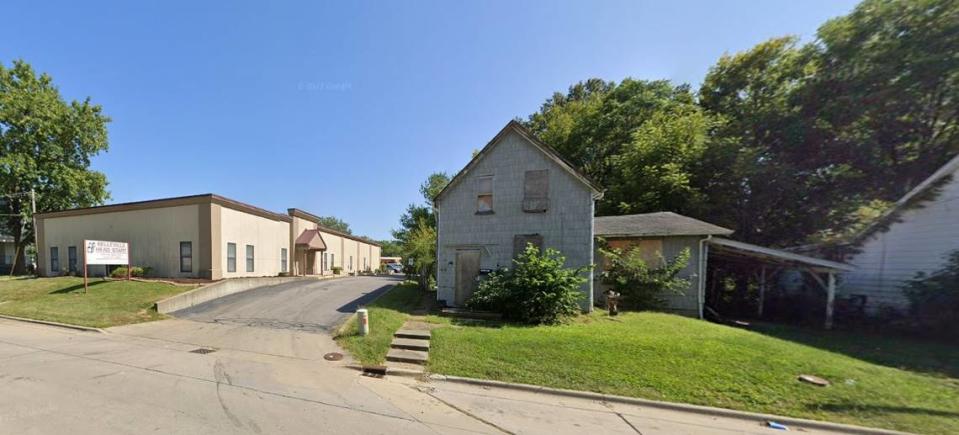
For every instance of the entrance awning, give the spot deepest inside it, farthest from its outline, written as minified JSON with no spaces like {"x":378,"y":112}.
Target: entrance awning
{"x":310,"y":240}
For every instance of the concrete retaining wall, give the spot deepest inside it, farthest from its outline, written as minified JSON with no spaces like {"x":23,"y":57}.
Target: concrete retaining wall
{"x":220,"y":289}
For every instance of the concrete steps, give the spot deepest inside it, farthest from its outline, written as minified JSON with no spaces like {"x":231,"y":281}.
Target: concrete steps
{"x":408,"y":356}
{"x":409,"y":347}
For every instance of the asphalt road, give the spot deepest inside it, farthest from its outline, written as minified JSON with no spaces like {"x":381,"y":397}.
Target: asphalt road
{"x":309,"y":306}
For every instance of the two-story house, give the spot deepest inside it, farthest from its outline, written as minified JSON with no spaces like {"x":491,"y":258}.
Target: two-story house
{"x":516,"y":190}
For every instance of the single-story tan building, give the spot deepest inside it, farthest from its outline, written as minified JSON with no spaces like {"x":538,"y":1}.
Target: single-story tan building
{"x":202,"y":236}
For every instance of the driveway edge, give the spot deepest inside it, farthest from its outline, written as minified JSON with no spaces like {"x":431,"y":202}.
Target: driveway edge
{"x":720,"y":412}
{"x":55,"y":324}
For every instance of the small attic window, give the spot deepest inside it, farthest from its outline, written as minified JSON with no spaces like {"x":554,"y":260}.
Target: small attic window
{"x":536,"y":191}
{"x":484,"y":195}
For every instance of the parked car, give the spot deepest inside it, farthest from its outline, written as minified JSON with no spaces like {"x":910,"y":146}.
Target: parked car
{"x":394,"y":267}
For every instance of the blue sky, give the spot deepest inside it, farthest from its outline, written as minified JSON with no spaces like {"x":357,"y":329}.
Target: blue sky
{"x":344,"y":108}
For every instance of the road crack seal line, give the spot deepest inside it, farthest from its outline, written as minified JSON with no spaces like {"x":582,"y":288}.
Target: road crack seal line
{"x":198,"y":379}
{"x":220,"y":375}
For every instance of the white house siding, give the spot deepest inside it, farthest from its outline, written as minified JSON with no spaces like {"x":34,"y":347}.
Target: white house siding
{"x":154,"y":236}
{"x":267,"y":236}
{"x":566,"y":226}
{"x":919,"y":241}
{"x":350,"y":255}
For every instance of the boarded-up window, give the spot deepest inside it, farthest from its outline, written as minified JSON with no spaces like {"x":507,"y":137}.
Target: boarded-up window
{"x":536,"y":191}
{"x":484,"y":194}
{"x":650,"y":250}
{"x":521,"y":240}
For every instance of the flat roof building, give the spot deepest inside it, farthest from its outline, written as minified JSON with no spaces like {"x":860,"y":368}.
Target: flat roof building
{"x":202,"y":236}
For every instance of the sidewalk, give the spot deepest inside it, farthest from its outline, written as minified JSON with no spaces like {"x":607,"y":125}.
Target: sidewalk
{"x":524,"y":412}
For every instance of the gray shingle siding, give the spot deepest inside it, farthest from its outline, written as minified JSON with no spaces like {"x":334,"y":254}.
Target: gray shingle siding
{"x":566,"y":226}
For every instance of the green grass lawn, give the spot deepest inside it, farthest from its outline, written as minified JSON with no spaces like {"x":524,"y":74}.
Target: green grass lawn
{"x":109,"y":303}
{"x":387,"y":314}
{"x":879,"y":382}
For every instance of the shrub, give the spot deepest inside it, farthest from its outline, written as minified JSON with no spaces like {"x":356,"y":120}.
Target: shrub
{"x":135,"y":271}
{"x":336,"y":270}
{"x":934,"y":299}
{"x":642,"y":287}
{"x":538,"y":290}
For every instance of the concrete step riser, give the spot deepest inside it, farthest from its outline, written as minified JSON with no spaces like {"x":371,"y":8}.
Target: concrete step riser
{"x":407,"y":356}
{"x":410,"y":347}
{"x":417,"y":335}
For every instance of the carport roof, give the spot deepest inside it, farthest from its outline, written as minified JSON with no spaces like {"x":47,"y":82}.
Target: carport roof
{"x":771,"y":255}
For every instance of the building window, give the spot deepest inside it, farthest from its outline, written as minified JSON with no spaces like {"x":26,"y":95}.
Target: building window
{"x":351,"y":263}
{"x":484,"y":195}
{"x":186,"y":256}
{"x":54,"y":259}
{"x":283,"y":260}
{"x":326,"y":257}
{"x":249,"y":258}
{"x":231,"y":257}
{"x":521,"y":240}
{"x":72,"y":258}
{"x":536,"y":191}
{"x":332,"y":260}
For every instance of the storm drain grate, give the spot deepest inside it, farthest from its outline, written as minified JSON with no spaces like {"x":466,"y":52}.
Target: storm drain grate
{"x":203,"y":350}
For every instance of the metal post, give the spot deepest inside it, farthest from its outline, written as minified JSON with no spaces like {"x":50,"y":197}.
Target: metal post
{"x":128,"y":261}
{"x":33,"y":218}
{"x":830,"y":299}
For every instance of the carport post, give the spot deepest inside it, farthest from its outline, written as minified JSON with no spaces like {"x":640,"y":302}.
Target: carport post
{"x":830,"y":298}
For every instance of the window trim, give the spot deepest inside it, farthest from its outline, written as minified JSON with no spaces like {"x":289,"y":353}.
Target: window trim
{"x":72,"y":260}
{"x":250,"y":258}
{"x":55,"y":257}
{"x":182,"y":257}
{"x":536,"y":202}
{"x":228,"y":258}
{"x":482,"y":193}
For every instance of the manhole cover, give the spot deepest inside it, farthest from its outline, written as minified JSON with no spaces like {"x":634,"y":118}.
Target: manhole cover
{"x":333,"y":356}
{"x":203,"y":350}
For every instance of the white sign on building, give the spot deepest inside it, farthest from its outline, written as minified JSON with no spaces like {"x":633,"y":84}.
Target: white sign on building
{"x":104,"y":252}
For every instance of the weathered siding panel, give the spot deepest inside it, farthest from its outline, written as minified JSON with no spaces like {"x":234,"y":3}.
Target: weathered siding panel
{"x":267,"y":236}
{"x":565,"y":226}
{"x":687,"y":303}
{"x":919,"y":242}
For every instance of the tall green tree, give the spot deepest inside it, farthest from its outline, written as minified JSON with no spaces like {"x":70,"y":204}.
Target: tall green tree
{"x":46,"y":144}
{"x":424,"y":211}
{"x":335,"y":223}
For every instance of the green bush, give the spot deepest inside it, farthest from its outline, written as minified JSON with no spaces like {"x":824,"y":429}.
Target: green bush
{"x":336,"y":270}
{"x":934,"y":299}
{"x":642,"y":287}
{"x":538,"y":290}
{"x":135,"y":271}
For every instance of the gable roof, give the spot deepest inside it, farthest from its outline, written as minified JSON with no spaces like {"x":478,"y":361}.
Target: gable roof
{"x":303,"y":214}
{"x":514,"y":126}
{"x":916,"y":194}
{"x":655,"y":224}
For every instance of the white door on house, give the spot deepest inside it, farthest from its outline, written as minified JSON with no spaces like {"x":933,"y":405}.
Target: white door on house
{"x":467,"y":269}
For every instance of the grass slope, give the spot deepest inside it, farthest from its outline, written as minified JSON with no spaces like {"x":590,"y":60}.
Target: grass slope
{"x":387,"y":314}
{"x":109,"y":303}
{"x":666,"y":357}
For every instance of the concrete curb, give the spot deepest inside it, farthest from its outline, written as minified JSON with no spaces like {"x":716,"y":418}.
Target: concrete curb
{"x":720,"y":412}
{"x":55,"y":324}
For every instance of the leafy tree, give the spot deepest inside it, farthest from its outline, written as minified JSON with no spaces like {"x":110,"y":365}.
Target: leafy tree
{"x":934,"y":298}
{"x":415,"y":213}
{"x":335,"y":223}
{"x":390,"y":248}
{"x":420,"y":246}
{"x":46,"y":144}
{"x":539,"y":289}
{"x":641,"y":286}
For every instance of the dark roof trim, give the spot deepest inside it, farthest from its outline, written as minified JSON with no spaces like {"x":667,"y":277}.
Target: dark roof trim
{"x":206,"y":198}
{"x":316,"y":220}
{"x":528,"y":135}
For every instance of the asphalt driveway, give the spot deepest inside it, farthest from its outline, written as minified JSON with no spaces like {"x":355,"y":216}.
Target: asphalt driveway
{"x":309,"y":305}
